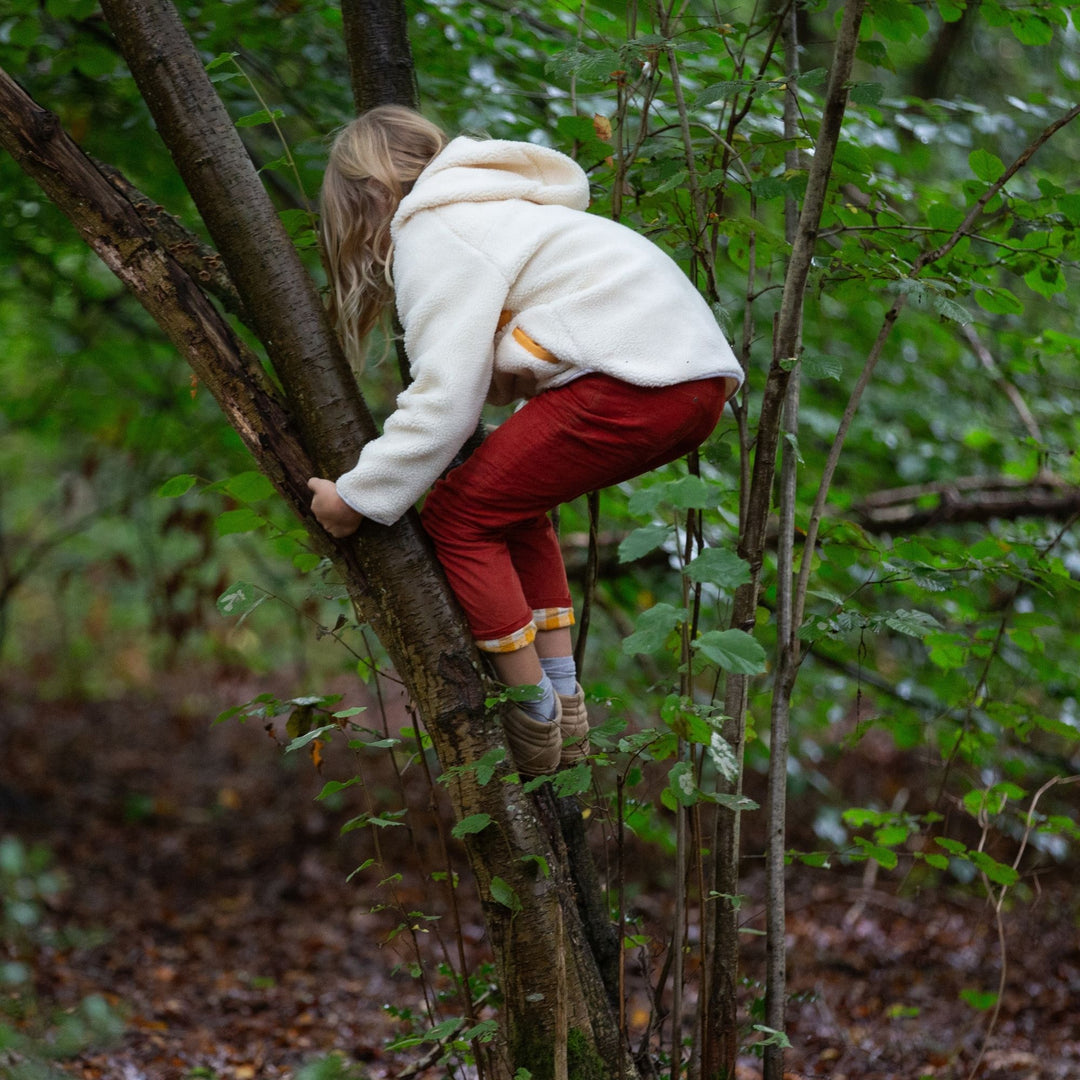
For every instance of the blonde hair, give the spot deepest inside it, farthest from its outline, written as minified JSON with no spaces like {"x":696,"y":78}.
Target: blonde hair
{"x":373,"y":163}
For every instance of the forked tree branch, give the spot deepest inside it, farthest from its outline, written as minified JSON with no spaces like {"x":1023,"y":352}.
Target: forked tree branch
{"x":116,"y":231}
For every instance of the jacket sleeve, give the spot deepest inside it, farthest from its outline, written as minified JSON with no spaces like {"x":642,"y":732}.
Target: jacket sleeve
{"x":449,"y":295}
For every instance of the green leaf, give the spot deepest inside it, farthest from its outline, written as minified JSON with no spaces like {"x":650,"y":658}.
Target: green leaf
{"x":681,"y":784}
{"x":220,"y":60}
{"x":503,"y":894}
{"x":953,"y":847}
{"x":1069,"y":205}
{"x":891,"y":835}
{"x":814,"y":77}
{"x":653,"y":628}
{"x":241,"y":520}
{"x":445,"y":1030}
{"x":485,"y":1031}
{"x":819,"y":859}
{"x":1046,"y":279}
{"x":732,"y":650}
{"x":950,"y":309}
{"x":303,"y":740}
{"x":262,"y":116}
{"x":474,"y":823}
{"x":986,"y":166}
{"x":686,"y":493}
{"x":249,"y":486}
{"x":720,"y":567}
{"x":677,"y":179}
{"x":332,"y":787}
{"x":641,"y":541}
{"x":241,"y":599}
{"x":816,"y":366}
{"x":913,"y":623}
{"x":884,"y":857}
{"x":858,"y":816}
{"x":983,"y":1000}
{"x":868,"y":93}
{"x":947,"y":651}
{"x":573,"y":781}
{"x":722,"y":91}
{"x":541,"y":864}
{"x":998,"y":872}
{"x":177,"y":486}
{"x":1030,"y":29}
{"x":998,"y":301}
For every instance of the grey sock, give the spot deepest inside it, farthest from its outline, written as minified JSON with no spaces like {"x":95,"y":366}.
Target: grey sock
{"x":544,"y":708}
{"x":562,"y":672}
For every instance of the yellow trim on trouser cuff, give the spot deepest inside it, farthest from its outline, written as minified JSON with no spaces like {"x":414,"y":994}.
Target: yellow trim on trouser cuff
{"x":511,"y":642}
{"x":553,"y":618}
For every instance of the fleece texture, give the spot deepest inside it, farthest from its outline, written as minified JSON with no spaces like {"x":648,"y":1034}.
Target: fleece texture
{"x":494,"y":227}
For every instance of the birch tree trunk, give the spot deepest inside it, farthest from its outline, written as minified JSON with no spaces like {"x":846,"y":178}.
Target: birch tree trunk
{"x":722,"y":1036}
{"x":316,"y":427}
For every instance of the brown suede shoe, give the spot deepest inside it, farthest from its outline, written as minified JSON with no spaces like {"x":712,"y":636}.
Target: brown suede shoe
{"x":575,"y":727}
{"x":536,"y":745}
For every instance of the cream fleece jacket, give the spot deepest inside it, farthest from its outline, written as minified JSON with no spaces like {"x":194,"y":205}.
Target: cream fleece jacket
{"x":495,"y":227}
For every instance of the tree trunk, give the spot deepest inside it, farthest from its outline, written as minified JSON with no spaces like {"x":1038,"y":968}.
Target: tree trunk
{"x":380,"y":60}
{"x":317,"y":426}
{"x":722,"y":1039}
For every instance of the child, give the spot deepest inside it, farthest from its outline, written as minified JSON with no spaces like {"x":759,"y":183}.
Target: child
{"x":507,"y":289}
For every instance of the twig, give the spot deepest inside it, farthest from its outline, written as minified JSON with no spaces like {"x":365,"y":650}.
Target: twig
{"x":1007,"y":388}
{"x":999,"y":902}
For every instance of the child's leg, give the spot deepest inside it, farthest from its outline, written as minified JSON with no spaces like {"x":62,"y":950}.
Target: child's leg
{"x":518,"y":668}
{"x":488,"y":517}
{"x":553,"y":643}
{"x":488,"y":520}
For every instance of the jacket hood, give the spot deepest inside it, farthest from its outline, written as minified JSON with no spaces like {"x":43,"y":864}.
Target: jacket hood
{"x":488,"y":170}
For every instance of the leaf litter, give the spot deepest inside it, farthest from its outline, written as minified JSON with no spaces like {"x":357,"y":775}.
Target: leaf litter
{"x":210,"y":895}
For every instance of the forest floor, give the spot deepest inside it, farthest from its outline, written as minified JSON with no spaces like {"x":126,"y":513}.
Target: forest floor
{"x":207,"y":902}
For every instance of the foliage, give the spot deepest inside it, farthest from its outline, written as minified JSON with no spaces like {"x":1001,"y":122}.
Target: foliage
{"x":955,"y":635}
{"x":32,"y":1039}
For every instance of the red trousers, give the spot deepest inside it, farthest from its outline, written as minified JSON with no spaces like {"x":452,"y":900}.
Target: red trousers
{"x":488,"y":518}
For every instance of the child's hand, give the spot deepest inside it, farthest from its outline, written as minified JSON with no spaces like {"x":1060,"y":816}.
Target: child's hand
{"x":335,"y":515}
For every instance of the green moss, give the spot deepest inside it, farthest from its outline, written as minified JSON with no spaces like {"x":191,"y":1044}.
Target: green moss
{"x":582,"y":1060}
{"x":535,"y":1052}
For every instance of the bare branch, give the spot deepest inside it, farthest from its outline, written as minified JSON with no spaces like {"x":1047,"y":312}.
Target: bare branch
{"x":965,"y":501}
{"x":1007,"y":388}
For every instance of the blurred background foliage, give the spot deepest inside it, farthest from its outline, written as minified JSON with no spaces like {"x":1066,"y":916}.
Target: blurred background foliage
{"x":958,"y":640}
